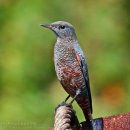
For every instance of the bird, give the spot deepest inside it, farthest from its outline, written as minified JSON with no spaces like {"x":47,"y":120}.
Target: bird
{"x":71,"y":67}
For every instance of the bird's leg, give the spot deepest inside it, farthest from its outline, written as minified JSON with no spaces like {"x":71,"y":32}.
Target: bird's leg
{"x":77,"y":93}
{"x":67,"y":98}
{"x":62,"y":103}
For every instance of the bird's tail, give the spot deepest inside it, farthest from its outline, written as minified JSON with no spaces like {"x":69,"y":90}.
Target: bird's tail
{"x":83,"y":102}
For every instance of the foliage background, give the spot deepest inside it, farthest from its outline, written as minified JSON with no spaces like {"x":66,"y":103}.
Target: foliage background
{"x":29,"y":89}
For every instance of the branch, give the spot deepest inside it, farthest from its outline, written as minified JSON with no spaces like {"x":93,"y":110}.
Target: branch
{"x":66,"y":119}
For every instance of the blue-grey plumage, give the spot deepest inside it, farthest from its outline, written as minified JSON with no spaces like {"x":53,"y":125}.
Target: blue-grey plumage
{"x":84,"y":68}
{"x":71,"y":67}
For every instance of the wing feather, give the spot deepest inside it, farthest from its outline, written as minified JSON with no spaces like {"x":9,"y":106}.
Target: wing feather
{"x":83,"y":65}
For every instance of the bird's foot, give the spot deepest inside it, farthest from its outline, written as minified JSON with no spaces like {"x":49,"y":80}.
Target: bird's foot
{"x":61,"y":104}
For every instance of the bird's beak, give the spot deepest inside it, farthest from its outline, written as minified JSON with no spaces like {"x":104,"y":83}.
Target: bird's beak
{"x":46,"y":26}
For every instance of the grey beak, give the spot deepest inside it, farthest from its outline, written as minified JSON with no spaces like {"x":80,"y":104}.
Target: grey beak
{"x":46,"y":26}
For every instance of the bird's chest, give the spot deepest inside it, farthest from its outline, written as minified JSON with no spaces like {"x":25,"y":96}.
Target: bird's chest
{"x":67,"y":67}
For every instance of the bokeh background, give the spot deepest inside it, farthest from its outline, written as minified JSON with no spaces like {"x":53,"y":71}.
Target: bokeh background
{"x":29,"y":89}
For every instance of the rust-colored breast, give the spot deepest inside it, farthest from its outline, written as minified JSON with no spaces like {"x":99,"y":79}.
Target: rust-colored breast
{"x":68,"y":69}
{"x":71,"y":78}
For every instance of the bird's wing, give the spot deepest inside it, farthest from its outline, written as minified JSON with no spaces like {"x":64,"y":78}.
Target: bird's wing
{"x":82,"y":62}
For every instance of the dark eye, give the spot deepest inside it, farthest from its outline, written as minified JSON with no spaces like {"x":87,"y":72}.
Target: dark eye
{"x":61,"y":27}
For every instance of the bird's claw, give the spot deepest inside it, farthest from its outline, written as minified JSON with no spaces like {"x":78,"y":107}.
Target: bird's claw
{"x":61,"y":104}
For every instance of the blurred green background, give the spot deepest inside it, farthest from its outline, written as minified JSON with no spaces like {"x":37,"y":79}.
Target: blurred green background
{"x":29,"y":89}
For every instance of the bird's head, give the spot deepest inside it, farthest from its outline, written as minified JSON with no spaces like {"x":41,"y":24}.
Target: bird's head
{"x":62,"y":29}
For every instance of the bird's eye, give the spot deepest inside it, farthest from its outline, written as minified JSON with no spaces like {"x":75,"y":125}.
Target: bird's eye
{"x":61,"y":27}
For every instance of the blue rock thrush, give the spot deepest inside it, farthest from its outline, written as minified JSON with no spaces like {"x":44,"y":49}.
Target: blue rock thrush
{"x":71,"y":67}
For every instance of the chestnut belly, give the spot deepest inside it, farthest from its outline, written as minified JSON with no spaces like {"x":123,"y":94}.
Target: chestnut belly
{"x":72,"y":79}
